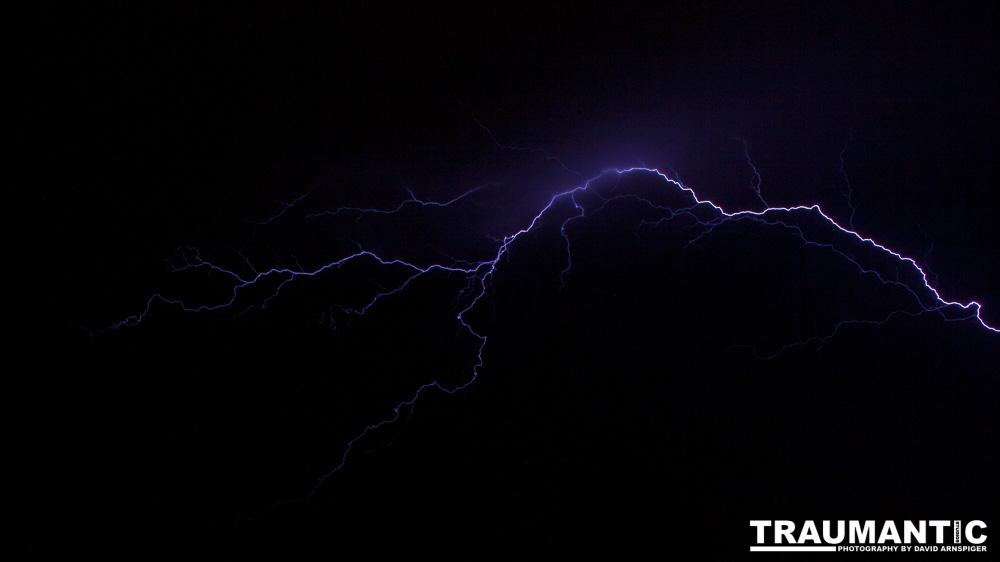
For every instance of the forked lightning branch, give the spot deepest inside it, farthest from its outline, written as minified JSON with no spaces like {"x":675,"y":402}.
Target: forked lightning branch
{"x":937,"y":535}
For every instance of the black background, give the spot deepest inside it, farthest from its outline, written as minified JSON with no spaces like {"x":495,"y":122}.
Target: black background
{"x":618,"y":408}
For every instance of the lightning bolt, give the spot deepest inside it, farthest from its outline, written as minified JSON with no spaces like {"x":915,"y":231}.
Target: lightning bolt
{"x":673,"y":202}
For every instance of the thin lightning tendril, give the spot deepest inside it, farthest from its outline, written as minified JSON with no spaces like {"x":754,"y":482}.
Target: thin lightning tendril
{"x":848,"y":192}
{"x":755,"y":181}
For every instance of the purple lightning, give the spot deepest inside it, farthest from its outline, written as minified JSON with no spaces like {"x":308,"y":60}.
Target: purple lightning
{"x":755,"y":181}
{"x":701,"y":216}
{"x":848,"y":192}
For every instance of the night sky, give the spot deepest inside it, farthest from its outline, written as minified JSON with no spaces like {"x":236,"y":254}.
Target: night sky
{"x":673,"y":383}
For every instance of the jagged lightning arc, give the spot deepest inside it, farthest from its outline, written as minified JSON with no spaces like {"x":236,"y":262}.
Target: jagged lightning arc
{"x":703,"y":213}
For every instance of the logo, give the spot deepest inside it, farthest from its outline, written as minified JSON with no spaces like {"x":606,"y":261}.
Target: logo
{"x":936,"y":535}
